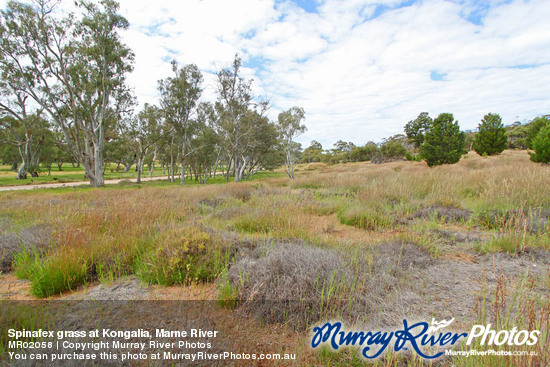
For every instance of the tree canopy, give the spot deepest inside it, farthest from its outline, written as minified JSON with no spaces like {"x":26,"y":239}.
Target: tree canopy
{"x":491,"y":138}
{"x":443,"y":142}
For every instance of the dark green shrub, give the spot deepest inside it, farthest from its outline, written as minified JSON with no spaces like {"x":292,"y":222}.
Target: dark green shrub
{"x":533,"y":129}
{"x":491,"y":139}
{"x":443,"y":142}
{"x":541,"y":146}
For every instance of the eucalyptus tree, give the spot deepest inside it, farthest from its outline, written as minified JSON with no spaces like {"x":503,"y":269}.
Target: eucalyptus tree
{"x":417,"y":128}
{"x":30,"y":136}
{"x":52,"y":150}
{"x":262,"y":149}
{"x":73,"y":67}
{"x":179,"y":99}
{"x":9,"y":154}
{"x":341,"y":151}
{"x":313,"y":153}
{"x":142,"y":132}
{"x":204,"y":155}
{"x":167,"y":151}
{"x":290,"y":127}
{"x":206,"y":146}
{"x":234,"y":103}
{"x":21,"y":128}
{"x":116,"y":150}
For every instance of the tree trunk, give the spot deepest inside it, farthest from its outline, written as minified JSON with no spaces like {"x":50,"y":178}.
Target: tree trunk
{"x":98,"y":180}
{"x":216,"y":166}
{"x":183,"y":156}
{"x":139,"y":167}
{"x":172,"y":179}
{"x":22,"y":173}
{"x":153,"y":164}
{"x":239,"y":169}
{"x":26,"y":160}
{"x":172,"y":160}
{"x":252,"y":172}
{"x":228,"y":170}
{"x":289,"y":165}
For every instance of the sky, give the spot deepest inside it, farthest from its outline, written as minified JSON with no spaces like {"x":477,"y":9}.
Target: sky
{"x":361,"y":69}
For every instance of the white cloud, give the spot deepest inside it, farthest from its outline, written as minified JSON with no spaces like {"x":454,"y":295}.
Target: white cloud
{"x":360,"y":68}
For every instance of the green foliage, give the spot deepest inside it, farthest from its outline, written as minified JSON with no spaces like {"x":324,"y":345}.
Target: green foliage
{"x":24,"y":262}
{"x":32,"y":138}
{"x":517,"y":135}
{"x":342,"y":151}
{"x":366,"y":217}
{"x":78,"y":77}
{"x":365,"y":153}
{"x":229,"y":293}
{"x":393,"y":149}
{"x":416,"y":129}
{"x":491,"y":139}
{"x":541,"y":145}
{"x":413,"y":158}
{"x":289,"y":128}
{"x":50,"y":276}
{"x":533,"y":129}
{"x":183,"y":256}
{"x":313,"y":153}
{"x":444,"y":142}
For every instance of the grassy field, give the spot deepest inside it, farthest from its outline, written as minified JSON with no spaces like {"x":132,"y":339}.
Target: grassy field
{"x":71,"y":174}
{"x":366,"y":244}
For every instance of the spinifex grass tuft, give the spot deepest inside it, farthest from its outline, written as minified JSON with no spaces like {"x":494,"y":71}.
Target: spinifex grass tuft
{"x":183,"y":255}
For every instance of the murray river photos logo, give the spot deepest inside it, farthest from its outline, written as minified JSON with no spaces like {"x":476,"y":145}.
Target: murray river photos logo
{"x":417,"y":336}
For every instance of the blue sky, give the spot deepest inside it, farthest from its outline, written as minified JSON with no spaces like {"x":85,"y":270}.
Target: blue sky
{"x":361,"y":69}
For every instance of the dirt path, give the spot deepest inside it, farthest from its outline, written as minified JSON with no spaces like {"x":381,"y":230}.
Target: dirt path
{"x":77,"y":183}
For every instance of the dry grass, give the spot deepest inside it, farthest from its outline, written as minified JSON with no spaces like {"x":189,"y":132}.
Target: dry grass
{"x":367,"y":243}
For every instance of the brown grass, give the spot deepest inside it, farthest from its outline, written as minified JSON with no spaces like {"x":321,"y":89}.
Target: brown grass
{"x":358,"y":211}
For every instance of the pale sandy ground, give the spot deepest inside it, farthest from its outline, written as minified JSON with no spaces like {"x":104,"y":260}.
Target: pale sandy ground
{"x":78,"y":183}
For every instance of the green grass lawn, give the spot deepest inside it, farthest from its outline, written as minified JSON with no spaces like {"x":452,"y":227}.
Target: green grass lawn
{"x":69,"y":174}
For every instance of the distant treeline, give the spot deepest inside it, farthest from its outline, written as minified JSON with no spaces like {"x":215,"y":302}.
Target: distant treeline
{"x":496,"y":137}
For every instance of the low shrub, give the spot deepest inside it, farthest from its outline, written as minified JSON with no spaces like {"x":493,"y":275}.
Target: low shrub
{"x":181,"y":256}
{"x":51,"y":275}
{"x":289,"y":283}
{"x":366,"y":217}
